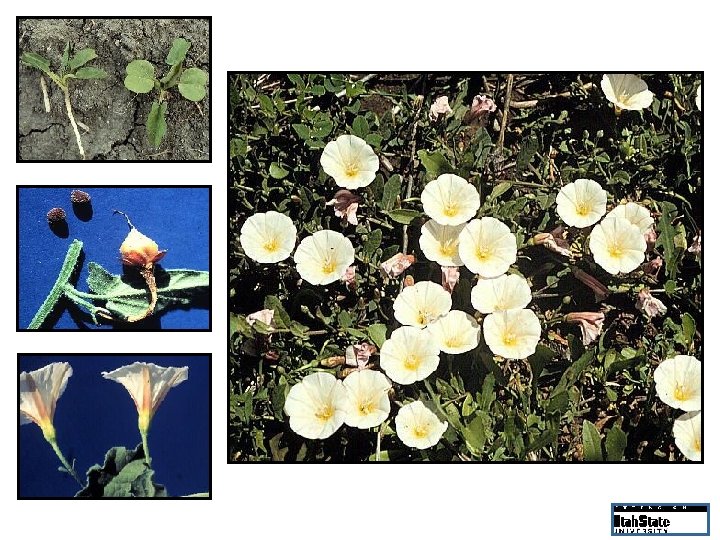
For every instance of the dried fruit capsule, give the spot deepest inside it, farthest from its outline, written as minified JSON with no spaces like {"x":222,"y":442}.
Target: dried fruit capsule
{"x":79,"y":197}
{"x":56,"y":215}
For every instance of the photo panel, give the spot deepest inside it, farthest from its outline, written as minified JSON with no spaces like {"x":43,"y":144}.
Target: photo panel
{"x":113,"y":258}
{"x":465,"y":267}
{"x":114,"y":89}
{"x":114,"y":426}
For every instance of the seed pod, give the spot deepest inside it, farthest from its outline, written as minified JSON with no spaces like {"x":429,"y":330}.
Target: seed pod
{"x":56,"y":215}
{"x":79,"y":197}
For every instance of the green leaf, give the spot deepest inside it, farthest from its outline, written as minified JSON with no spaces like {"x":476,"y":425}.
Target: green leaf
{"x":302,"y":130}
{"x":277,"y":171}
{"x":88,"y":73}
{"x":498,"y":190}
{"x":404,"y":216}
{"x":372,"y":243}
{"x":281,"y":317}
{"x":192,"y":84}
{"x":474,"y":435}
{"x":65,"y":60}
{"x":615,"y":443}
{"x":592,"y":449}
{"x":81,"y":58}
{"x":528,"y":147}
{"x":688,"y":330}
{"x":156,"y":126}
{"x":123,"y":474}
{"x":127,"y":295}
{"x":178,"y":51}
{"x":360,"y":127}
{"x":666,"y":238}
{"x":391,"y":192}
{"x":35,"y":60}
{"x":377,"y":333}
{"x":140,"y":76}
{"x":435,"y":163}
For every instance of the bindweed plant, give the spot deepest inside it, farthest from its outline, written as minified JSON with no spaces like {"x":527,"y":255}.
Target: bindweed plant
{"x":190,"y":82}
{"x":488,"y":267}
{"x":72,"y":66}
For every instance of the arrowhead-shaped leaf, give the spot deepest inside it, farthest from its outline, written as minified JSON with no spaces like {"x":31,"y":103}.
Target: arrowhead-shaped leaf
{"x":35,"y":60}
{"x":81,"y":58}
{"x":88,"y":73}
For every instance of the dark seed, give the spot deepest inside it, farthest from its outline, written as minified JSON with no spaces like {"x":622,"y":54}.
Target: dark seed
{"x":79,"y":197}
{"x":56,"y":215}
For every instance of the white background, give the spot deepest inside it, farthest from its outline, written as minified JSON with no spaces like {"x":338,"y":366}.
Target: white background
{"x":394,"y":501}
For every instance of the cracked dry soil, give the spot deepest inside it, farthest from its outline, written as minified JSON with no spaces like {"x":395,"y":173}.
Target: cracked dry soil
{"x":116,"y":116}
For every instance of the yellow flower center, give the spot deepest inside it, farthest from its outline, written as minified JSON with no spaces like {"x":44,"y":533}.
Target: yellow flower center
{"x":325,"y":413}
{"x":452,"y":342}
{"x":271,"y":245}
{"x":583,"y":209}
{"x":411,"y":362}
{"x":615,"y":250}
{"x":483,"y":252}
{"x":451,"y":209}
{"x":697,"y":445}
{"x":352,"y":169}
{"x":366,"y":407}
{"x":448,"y":250}
{"x":424,"y":318}
{"x":329,"y":267}
{"x":510,"y":339}
{"x":680,"y":393}
{"x":420,"y":431}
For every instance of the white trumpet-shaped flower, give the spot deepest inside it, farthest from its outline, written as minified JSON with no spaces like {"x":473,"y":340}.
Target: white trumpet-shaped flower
{"x":317,"y":406}
{"x":687,"y":430}
{"x":323,"y":257}
{"x":678,"y":382}
{"x":368,"y":401}
{"x":581,"y":203}
{"x":626,"y":91}
{"x":350,"y":161}
{"x":418,"y":427}
{"x":514,"y":333}
{"x":487,"y":247}
{"x":409,"y":355}
{"x":636,"y":214}
{"x":39,"y":393}
{"x":508,"y":291}
{"x":617,"y":245}
{"x":440,"y":243}
{"x":422,"y":303}
{"x":455,"y":333}
{"x":450,"y":200}
{"x":268,"y":237}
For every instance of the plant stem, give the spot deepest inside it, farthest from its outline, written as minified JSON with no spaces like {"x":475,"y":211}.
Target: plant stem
{"x":147,"y":272}
{"x":68,"y":107}
{"x":506,"y":109}
{"x":58,"y":288}
{"x":146,"y":451}
{"x":68,"y":468}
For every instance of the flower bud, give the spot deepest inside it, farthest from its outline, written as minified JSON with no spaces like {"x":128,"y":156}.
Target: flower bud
{"x":139,"y":250}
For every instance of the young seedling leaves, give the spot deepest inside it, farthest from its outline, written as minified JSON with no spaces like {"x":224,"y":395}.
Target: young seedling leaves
{"x":65,"y":60}
{"x":192,"y":84}
{"x":140,"y":76}
{"x":35,"y":60}
{"x":88,"y":73}
{"x":81,"y":58}
{"x":592,"y":449}
{"x":156,"y":125}
{"x":178,"y":51}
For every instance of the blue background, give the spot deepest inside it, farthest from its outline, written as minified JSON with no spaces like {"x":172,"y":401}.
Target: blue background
{"x":176,"y":218}
{"x":95,"y":414}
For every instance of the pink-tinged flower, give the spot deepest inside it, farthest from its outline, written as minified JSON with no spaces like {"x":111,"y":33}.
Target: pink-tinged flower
{"x":651,"y":306}
{"x":450,"y":277}
{"x":139,"y":250}
{"x":345,"y":204}
{"x":397,"y":264}
{"x":554,"y":241}
{"x":652,"y":267}
{"x":148,"y":385}
{"x":264,"y":316}
{"x":591,"y":324}
{"x":39,"y":393}
{"x":481,"y":107}
{"x":600,"y":290}
{"x":696,"y":246}
{"x":650,"y":238}
{"x":440,"y":108}
{"x":359,"y":355}
{"x":349,"y":278}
